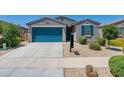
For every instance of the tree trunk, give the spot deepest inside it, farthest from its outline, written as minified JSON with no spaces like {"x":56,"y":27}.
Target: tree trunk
{"x":9,"y":44}
{"x":108,"y":43}
{"x":123,"y":49}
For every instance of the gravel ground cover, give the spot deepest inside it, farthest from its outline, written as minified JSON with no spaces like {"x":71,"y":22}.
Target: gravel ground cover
{"x":3,"y":52}
{"x":84,"y":51}
{"x":80,"y":72}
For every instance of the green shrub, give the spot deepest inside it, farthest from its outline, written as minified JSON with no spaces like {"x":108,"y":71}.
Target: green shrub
{"x":116,"y":64}
{"x":10,"y":34}
{"x":82,"y":40}
{"x":95,"y":46}
{"x":101,"y":41}
{"x":16,"y":42}
{"x":117,"y":42}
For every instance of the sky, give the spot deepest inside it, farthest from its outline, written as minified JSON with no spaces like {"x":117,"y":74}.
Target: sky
{"x":23,"y":19}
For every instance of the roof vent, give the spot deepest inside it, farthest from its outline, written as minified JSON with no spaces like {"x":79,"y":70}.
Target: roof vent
{"x":61,"y":19}
{"x":47,"y":22}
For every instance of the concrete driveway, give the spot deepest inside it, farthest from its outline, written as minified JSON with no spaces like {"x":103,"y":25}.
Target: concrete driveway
{"x":37,"y":50}
{"x":17,"y":62}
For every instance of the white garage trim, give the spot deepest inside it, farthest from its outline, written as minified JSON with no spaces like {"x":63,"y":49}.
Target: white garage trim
{"x":48,"y":26}
{"x":63,"y":33}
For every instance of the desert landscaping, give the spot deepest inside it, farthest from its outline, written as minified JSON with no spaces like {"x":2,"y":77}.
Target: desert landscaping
{"x":84,"y":51}
{"x":80,"y":72}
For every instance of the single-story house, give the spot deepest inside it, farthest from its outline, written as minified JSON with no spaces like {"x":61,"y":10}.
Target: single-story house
{"x":59,"y":29}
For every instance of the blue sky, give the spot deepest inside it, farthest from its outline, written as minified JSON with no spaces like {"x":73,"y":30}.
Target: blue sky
{"x":23,"y":19}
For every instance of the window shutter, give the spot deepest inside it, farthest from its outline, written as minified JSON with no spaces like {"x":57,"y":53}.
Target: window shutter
{"x":82,"y":30}
{"x":92,"y":31}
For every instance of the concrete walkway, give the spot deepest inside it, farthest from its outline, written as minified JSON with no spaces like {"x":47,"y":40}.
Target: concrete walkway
{"x":46,"y":67}
{"x":30,"y":72}
{"x":78,"y":62}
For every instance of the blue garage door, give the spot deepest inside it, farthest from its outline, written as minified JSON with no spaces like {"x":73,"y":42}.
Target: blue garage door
{"x":46,"y":34}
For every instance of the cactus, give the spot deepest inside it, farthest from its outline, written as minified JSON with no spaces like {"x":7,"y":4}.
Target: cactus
{"x":90,"y":71}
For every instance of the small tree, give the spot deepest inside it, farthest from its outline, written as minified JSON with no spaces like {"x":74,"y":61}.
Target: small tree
{"x":109,"y":32}
{"x":10,"y":32}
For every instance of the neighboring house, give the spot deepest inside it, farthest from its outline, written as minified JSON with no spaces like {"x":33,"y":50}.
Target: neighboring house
{"x":119,"y":24}
{"x":23,"y":30}
{"x":59,"y":29}
{"x":23,"y":33}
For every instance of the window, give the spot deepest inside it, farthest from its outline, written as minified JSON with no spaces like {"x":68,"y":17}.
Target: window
{"x":121,"y":30}
{"x":87,"y":30}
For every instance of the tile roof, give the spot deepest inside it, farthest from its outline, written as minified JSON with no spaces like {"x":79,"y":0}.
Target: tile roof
{"x":59,"y":17}
{"x":90,"y":20}
{"x":42,"y":19}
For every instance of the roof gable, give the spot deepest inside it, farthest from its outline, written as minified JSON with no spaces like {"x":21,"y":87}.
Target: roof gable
{"x":117,"y":22}
{"x":43,"y":19}
{"x":23,"y":28}
{"x":60,"y":17}
{"x":87,"y":20}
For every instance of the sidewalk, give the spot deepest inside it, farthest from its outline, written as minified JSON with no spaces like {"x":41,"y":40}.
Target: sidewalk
{"x":78,"y":62}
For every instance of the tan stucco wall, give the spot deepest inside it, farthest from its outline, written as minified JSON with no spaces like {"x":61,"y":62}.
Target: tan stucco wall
{"x":78,"y":31}
{"x":68,"y":22}
{"x":100,"y":32}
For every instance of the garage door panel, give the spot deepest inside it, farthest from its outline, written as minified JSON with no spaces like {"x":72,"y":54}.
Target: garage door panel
{"x":46,"y":34}
{"x":47,"y":39}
